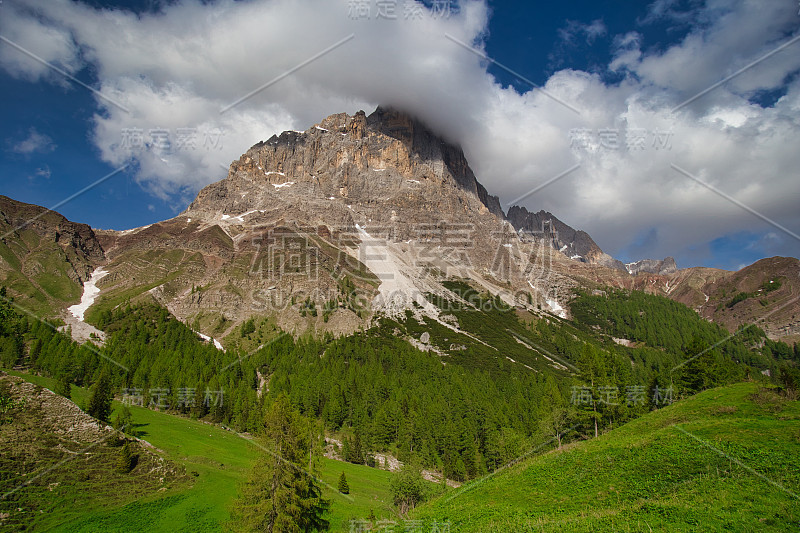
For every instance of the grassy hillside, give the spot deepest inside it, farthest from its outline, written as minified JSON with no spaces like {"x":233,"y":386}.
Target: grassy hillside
{"x":723,"y":460}
{"x":219,"y":458}
{"x":43,"y":256}
{"x":37,"y":271}
{"x":55,"y":461}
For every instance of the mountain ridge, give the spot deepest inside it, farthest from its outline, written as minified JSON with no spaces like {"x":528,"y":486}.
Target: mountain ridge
{"x":381,"y":208}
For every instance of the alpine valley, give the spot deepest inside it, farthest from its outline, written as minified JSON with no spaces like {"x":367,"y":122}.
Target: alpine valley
{"x":356,"y":291}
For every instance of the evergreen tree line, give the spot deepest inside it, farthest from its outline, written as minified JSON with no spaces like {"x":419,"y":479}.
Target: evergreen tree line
{"x":381,"y":394}
{"x":661,"y":323}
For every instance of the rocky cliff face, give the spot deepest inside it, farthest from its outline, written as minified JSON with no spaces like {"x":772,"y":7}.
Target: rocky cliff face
{"x":388,"y":167}
{"x":376,"y":205}
{"x":653,"y":266}
{"x":575,"y":244}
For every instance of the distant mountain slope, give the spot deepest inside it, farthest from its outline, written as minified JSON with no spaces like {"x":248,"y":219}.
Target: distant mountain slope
{"x":767,"y":290}
{"x":724,"y":459}
{"x":575,"y":244}
{"x":360,"y":217}
{"x":653,"y":266}
{"x":44,"y":258}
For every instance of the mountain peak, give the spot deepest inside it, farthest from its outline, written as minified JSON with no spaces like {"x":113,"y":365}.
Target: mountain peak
{"x":385,"y":158}
{"x":575,"y":244}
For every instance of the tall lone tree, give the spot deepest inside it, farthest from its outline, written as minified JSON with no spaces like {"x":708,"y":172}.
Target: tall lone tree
{"x":408,"y":488}
{"x":343,"y":486}
{"x":281,"y":494}
{"x":100,"y":399}
{"x":64,"y":386}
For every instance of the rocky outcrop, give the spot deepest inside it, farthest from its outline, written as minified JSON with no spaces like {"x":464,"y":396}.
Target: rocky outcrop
{"x":575,"y":244}
{"x":391,"y":165}
{"x":653,"y":266}
{"x":377,"y":203}
{"x":79,"y":243}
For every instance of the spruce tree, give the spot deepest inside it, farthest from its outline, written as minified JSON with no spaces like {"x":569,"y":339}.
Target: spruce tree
{"x":124,"y":421}
{"x":100,"y":399}
{"x":281,"y":494}
{"x":343,"y":487}
{"x":64,"y":386}
{"x":125,"y":459}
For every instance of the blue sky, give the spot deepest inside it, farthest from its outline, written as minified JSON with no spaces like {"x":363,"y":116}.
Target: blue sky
{"x":623,"y":65}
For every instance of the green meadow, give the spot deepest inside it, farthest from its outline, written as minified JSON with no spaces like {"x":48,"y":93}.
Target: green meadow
{"x":215,"y":460}
{"x":723,"y":460}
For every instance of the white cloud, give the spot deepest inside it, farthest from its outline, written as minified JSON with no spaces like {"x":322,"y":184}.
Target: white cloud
{"x":176,"y":69}
{"x":45,"y":44}
{"x":575,"y":29}
{"x":727,"y":35}
{"x":34,"y":142}
{"x":43,"y":172}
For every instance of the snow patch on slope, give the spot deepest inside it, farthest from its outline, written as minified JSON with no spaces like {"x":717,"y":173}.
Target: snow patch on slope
{"x":240,"y":218}
{"x":553,"y":304}
{"x":401,"y":285}
{"x":556,"y":308}
{"x":134,"y":230}
{"x":90,"y":293}
{"x":217,"y":344}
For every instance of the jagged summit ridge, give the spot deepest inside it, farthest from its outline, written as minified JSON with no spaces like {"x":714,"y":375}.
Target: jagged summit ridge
{"x":575,"y":244}
{"x":386,"y":159}
{"x":652,"y":266}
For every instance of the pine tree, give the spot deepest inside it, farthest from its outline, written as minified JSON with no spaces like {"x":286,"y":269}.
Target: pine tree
{"x":100,"y":399}
{"x":281,"y":494}
{"x":698,"y":372}
{"x":64,"y":386}
{"x":353,"y":451}
{"x":199,"y":407}
{"x":125,"y":459}
{"x":343,"y":487}
{"x":9,"y":351}
{"x":124,"y":421}
{"x":248,"y":327}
